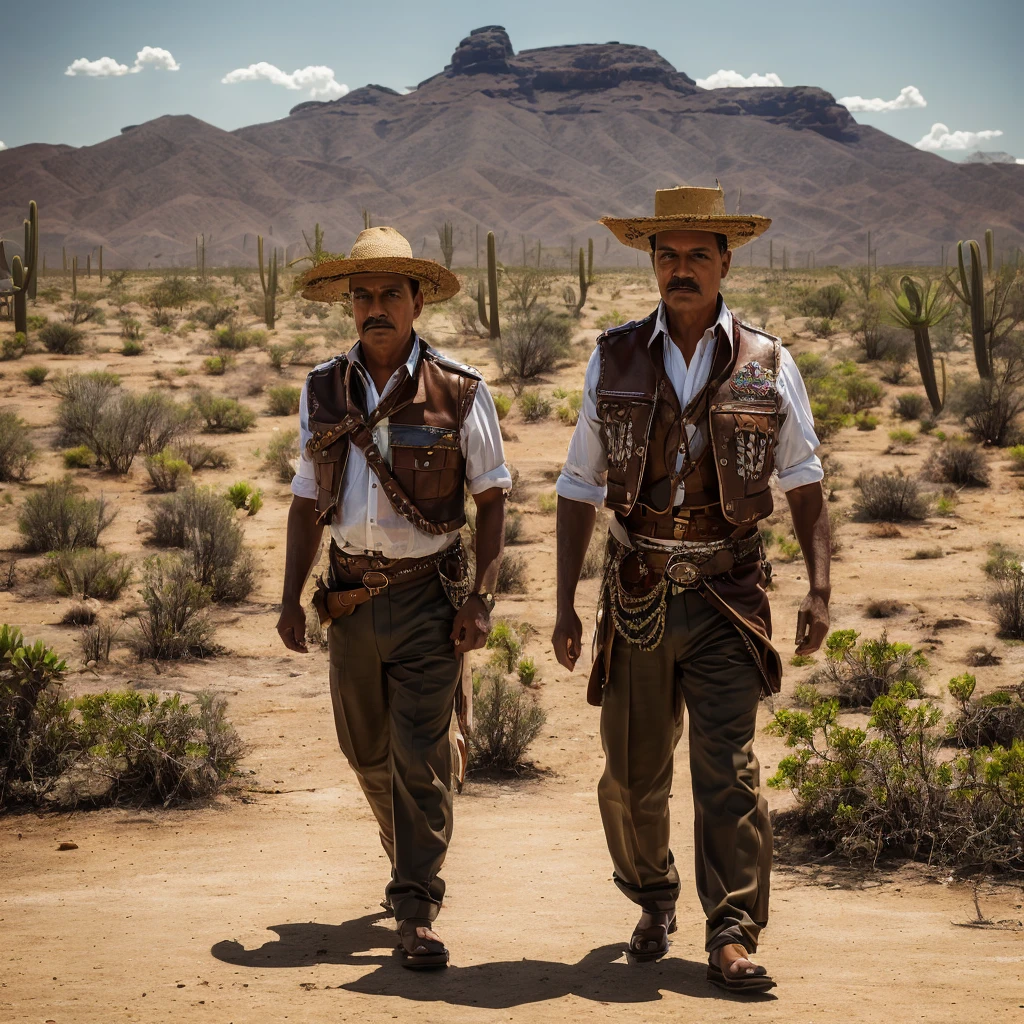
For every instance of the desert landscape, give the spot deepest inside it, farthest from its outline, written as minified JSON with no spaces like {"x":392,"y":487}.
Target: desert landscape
{"x":261,"y":903}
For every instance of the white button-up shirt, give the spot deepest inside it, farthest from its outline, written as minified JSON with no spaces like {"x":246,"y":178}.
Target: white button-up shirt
{"x":585,"y":473}
{"x":365,"y":521}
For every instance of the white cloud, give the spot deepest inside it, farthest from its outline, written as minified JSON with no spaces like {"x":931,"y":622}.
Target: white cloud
{"x":106,"y":67}
{"x":941,"y":138}
{"x":317,"y":78}
{"x":3,"y":145}
{"x":909,"y":97}
{"x":1020,"y":160}
{"x":723,"y":79}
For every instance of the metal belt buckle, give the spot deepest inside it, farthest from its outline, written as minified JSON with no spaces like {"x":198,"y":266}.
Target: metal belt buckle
{"x":686,"y":574}
{"x":375,"y":582}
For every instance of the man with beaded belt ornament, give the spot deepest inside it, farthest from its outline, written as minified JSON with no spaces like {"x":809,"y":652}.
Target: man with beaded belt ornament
{"x":391,"y":436}
{"x":686,"y":415}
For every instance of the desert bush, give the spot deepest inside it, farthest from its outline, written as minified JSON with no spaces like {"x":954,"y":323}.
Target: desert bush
{"x":283,"y":400}
{"x":172,"y":292}
{"x":90,"y":573}
{"x":858,"y":672}
{"x":884,"y":608}
{"x":909,"y":406}
{"x":507,"y":719}
{"x":168,"y":470}
{"x":957,"y":461}
{"x":17,"y":451}
{"x":14,"y":347}
{"x":513,"y":574}
{"x":827,"y":301}
{"x":996,"y":719}
{"x":990,"y":408}
{"x":534,"y":406}
{"x":281,"y":454}
{"x":238,"y":339}
{"x":132,"y":348}
{"x":1015,"y":453}
{"x":58,"y":518}
{"x":517,"y":492}
{"x":925,"y":554}
{"x":532,"y":343}
{"x":569,"y":410}
{"x":593,"y":560}
{"x":173,"y":625}
{"x":507,"y":643}
{"x":131,"y":329}
{"x":35,"y":375}
{"x":902,"y":438}
{"x":548,"y":502}
{"x":80,"y":457}
{"x":243,"y":495}
{"x":97,"y":640}
{"x":527,"y":671}
{"x":1008,"y":600}
{"x":861,"y":391}
{"x":83,"y":312}
{"x":890,"y":498}
{"x":213,"y":316}
{"x":865,"y":421}
{"x":62,"y":339}
{"x":222,"y":414}
{"x":502,"y":405}
{"x":897,"y":361}
{"x":885,"y":791}
{"x":200,"y":455}
{"x":79,"y":614}
{"x":217,"y":366}
{"x":513,"y":526}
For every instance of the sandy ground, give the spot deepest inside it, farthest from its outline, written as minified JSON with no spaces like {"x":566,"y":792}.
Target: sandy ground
{"x":264,"y":905}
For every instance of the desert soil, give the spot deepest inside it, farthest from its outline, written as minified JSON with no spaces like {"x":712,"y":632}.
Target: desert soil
{"x":263,"y":906}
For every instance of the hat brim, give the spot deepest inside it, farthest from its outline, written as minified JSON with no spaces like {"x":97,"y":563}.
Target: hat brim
{"x":635,"y":231}
{"x":329,"y":281}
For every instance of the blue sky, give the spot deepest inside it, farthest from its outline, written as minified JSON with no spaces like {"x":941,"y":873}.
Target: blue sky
{"x":964,"y":59}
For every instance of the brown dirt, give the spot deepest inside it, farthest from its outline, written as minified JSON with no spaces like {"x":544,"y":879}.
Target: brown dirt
{"x":263,"y":905}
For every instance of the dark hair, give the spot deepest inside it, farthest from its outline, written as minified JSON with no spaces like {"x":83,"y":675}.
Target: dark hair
{"x":722,"y":240}
{"x":414,"y":284}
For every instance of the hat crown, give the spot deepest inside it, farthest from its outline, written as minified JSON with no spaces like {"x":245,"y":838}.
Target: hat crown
{"x":689,"y":201}
{"x":380,"y":243}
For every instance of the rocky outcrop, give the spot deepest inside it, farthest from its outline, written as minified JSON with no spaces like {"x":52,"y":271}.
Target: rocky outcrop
{"x":484,"y":51}
{"x":800,"y":107}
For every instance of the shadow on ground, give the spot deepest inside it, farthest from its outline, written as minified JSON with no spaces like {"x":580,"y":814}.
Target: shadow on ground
{"x":601,"y":975}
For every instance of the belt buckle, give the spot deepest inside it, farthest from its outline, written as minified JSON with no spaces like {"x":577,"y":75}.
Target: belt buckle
{"x":375,"y":582}
{"x":685,"y":573}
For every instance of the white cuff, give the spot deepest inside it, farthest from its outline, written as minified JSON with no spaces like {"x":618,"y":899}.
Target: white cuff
{"x":303,"y":486}
{"x":807,"y":472}
{"x":574,"y":489}
{"x":497,"y":477}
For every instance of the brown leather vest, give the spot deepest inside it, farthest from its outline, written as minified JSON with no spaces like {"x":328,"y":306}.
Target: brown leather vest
{"x":643,"y":428}
{"x":425,"y":415}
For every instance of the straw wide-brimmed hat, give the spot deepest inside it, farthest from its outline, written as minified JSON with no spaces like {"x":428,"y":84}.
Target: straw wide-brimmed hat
{"x":688,"y":209}
{"x":379,"y":250}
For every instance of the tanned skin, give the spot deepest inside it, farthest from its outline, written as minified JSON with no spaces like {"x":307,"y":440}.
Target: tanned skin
{"x":384,"y":309}
{"x":690,"y":269}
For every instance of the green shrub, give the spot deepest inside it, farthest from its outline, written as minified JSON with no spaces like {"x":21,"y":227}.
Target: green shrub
{"x":997,"y":719}
{"x":200,"y":455}
{"x":131,"y":330}
{"x":1016,"y":456}
{"x":889,"y":498}
{"x":283,"y":400}
{"x":14,"y":347}
{"x":213,"y":316}
{"x":502,"y":404}
{"x":507,"y":719}
{"x":865,"y":421}
{"x":17,"y":451}
{"x":278,"y":356}
{"x":534,"y":406}
{"x":860,"y":672}
{"x":222,"y":414}
{"x":527,"y":671}
{"x":902,"y":437}
{"x":217,"y":366}
{"x":990,"y":408}
{"x":173,"y":624}
{"x":168,"y":470}
{"x":281,"y":454}
{"x":827,"y":301}
{"x":80,"y":457}
{"x":957,"y":461}
{"x":569,"y":411}
{"x":62,"y":339}
{"x":132,"y":348}
{"x":82,"y":311}
{"x":173,"y":291}
{"x":242,"y":494}
{"x":531,"y":343}
{"x":58,"y":518}
{"x":237,"y":339}
{"x":35,"y":375}
{"x":613,"y":318}
{"x":548,"y":503}
{"x":90,"y":573}
{"x":507,"y":644}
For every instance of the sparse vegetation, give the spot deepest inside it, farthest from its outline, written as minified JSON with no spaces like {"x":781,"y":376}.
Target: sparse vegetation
{"x":283,"y":400}
{"x":958,"y":461}
{"x":168,"y":470}
{"x":858,"y":671}
{"x":58,"y":518}
{"x":79,"y":457}
{"x":62,"y":339}
{"x":507,"y":719}
{"x":17,"y":452}
{"x":512,"y":575}
{"x":281,"y":455}
{"x":531,"y":344}
{"x":173,"y":624}
{"x":889,"y":497}
{"x":995,"y":719}
{"x":90,"y":573}
{"x":243,"y":495}
{"x":534,"y":406}
{"x":226,"y":415}
{"x":35,"y":375}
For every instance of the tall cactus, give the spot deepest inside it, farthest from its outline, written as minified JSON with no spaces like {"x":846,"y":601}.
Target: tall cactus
{"x":31,"y":243}
{"x":489,"y":319}
{"x":74,"y":277}
{"x":23,"y":272}
{"x":268,"y":281}
{"x":919,"y":306}
{"x":367,"y":220}
{"x":88,"y":264}
{"x":446,"y":236}
{"x":101,"y":262}
{"x":990,"y":250}
{"x":972,"y":294}
{"x":201,"y":257}
{"x":64,"y":262}
{"x":590,"y":261}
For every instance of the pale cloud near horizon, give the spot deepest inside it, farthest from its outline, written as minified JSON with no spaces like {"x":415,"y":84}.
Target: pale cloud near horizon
{"x":909,"y":97}
{"x":3,"y":145}
{"x":940,"y":138}
{"x":106,"y":67}
{"x":723,"y":79}
{"x":316,"y":77}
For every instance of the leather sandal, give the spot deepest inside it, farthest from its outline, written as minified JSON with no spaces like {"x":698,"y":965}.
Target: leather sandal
{"x":419,"y":954}
{"x":648,"y":944}
{"x":758,"y":981}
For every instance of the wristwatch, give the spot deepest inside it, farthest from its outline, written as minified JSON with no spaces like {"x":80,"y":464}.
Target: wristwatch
{"x":487,"y":597}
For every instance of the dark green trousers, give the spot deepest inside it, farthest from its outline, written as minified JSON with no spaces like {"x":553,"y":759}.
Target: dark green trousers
{"x":394,"y":673}
{"x":704,"y":666}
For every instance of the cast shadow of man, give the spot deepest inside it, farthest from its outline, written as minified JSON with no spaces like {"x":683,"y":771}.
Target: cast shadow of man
{"x":602,"y":975}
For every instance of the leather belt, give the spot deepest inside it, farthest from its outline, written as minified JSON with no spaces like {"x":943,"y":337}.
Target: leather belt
{"x":685,"y":523}
{"x":687,"y":567}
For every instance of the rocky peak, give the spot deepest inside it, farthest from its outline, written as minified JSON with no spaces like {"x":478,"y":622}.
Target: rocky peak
{"x":484,"y":50}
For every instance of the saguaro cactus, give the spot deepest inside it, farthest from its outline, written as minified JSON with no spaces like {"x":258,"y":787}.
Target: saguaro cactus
{"x":446,"y":236}
{"x":489,"y":321}
{"x":972,"y":294}
{"x":88,"y":264}
{"x":990,"y":250}
{"x":201,"y":257}
{"x":919,"y":306}
{"x":64,"y":262}
{"x":101,"y":262}
{"x":590,"y":261}
{"x":74,"y":277}
{"x":268,"y":280}
{"x":23,"y":272}
{"x":31,"y":243}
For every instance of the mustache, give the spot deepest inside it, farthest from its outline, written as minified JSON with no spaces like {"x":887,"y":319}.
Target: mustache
{"x":682,"y":284}
{"x":377,"y":321}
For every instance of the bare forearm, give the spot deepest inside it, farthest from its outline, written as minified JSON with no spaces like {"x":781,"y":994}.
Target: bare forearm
{"x":574,"y":528}
{"x":490,"y":538}
{"x":303,"y":545}
{"x":810,"y":523}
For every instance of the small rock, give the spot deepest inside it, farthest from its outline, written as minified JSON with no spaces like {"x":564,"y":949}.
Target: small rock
{"x":68,"y":846}
{"x":90,"y":664}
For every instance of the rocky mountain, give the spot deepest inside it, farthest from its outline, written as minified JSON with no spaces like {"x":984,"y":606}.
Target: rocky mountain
{"x":534,"y":145}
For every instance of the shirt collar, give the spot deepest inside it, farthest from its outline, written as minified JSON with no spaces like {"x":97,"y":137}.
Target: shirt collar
{"x":724,"y":321}
{"x":355,"y":356}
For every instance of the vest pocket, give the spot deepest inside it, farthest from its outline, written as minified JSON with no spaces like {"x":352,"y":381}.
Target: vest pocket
{"x":427,"y":461}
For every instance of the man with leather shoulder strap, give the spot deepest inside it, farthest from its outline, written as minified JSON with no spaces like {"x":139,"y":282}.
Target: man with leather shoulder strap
{"x":391,"y":436}
{"x":686,"y":417}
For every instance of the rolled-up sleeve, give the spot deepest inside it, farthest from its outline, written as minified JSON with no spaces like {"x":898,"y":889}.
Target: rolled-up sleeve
{"x":584,"y":475}
{"x":795,"y":456}
{"x":304,"y":481}
{"x":482,"y":445}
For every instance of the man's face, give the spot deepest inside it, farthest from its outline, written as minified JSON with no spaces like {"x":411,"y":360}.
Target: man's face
{"x":689,"y":268}
{"x":384,"y":308}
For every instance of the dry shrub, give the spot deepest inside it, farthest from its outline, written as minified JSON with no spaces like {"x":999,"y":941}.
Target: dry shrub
{"x":62,"y":339}
{"x":994,"y":719}
{"x":200,"y":455}
{"x":513,"y":526}
{"x":79,"y":614}
{"x":957,"y":461}
{"x":282,"y":454}
{"x":283,"y":400}
{"x":858,"y":672}
{"x":506,"y":719}
{"x":173,"y":625}
{"x":167,"y":470}
{"x":91,"y":574}
{"x":593,"y":559}
{"x":531,"y":343}
{"x":17,"y":451}
{"x":513,"y":574}
{"x":96,"y":640}
{"x":534,"y":406}
{"x":884,"y":609}
{"x":909,"y":406}
{"x":1008,"y":601}
{"x":58,"y":518}
{"x":222,"y":414}
{"x":889,"y":497}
